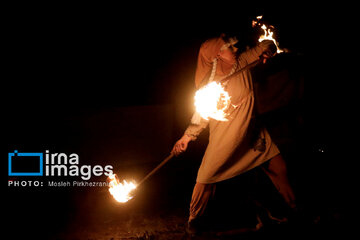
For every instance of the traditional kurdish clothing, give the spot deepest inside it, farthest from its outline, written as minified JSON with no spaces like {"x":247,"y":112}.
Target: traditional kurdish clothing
{"x":237,"y":145}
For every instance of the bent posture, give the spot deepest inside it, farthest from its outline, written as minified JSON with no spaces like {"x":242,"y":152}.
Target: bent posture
{"x":237,"y":145}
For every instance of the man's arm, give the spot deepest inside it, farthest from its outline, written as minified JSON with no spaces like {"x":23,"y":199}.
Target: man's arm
{"x":265,"y":48}
{"x":194,"y":130}
{"x":191,"y":134}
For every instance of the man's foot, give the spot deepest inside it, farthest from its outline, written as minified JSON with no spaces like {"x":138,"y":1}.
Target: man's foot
{"x":276,"y":219}
{"x":193,"y":228}
{"x":270,"y":218}
{"x":242,"y":231}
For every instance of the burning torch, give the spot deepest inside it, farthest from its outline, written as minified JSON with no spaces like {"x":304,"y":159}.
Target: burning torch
{"x":123,"y":191}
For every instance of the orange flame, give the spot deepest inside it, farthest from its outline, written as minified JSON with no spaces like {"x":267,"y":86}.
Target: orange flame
{"x":268,"y":34}
{"x":212,"y":101}
{"x":120,"y":191}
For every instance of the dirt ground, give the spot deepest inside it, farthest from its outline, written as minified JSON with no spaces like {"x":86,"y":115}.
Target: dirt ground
{"x":121,"y":223}
{"x":159,"y":210}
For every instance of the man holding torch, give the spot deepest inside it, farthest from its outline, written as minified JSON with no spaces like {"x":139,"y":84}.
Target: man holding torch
{"x":237,"y":145}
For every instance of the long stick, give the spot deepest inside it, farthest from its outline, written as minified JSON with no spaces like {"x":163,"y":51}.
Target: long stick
{"x":156,"y":169}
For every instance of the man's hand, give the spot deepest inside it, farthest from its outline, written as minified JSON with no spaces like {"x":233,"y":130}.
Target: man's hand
{"x":181,"y":145}
{"x":269,"y":50}
{"x":265,"y":56}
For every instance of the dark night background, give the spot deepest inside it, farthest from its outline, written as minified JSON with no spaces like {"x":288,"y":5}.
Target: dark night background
{"x":115,"y":85}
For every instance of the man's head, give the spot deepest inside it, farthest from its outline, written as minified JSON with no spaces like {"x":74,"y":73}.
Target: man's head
{"x":230,"y":42}
{"x":229,"y":49}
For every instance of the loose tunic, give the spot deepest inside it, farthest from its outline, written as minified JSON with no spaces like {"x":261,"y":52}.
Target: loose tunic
{"x":237,"y":145}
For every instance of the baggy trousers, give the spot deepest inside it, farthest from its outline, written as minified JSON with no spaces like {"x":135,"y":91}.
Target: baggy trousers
{"x":275,"y":168}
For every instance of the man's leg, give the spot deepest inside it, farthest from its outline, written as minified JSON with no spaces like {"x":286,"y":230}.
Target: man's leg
{"x":277,"y":172}
{"x":200,"y":198}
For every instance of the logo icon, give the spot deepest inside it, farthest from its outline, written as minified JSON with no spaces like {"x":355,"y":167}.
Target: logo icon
{"x":25,"y":164}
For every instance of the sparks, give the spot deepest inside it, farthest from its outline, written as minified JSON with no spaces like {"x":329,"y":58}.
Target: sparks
{"x":212,"y":101}
{"x":120,"y":191}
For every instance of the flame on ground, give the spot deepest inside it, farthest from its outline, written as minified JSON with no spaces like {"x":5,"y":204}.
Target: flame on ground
{"x":120,"y":191}
{"x":212,"y":101}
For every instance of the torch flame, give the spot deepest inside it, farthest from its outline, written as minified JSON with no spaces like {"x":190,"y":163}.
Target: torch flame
{"x":120,"y":191}
{"x":268,"y":35}
{"x":212,"y":101}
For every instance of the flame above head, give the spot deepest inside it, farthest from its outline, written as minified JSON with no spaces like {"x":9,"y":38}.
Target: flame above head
{"x":212,"y":101}
{"x":268,"y":35}
{"x":120,"y":191}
